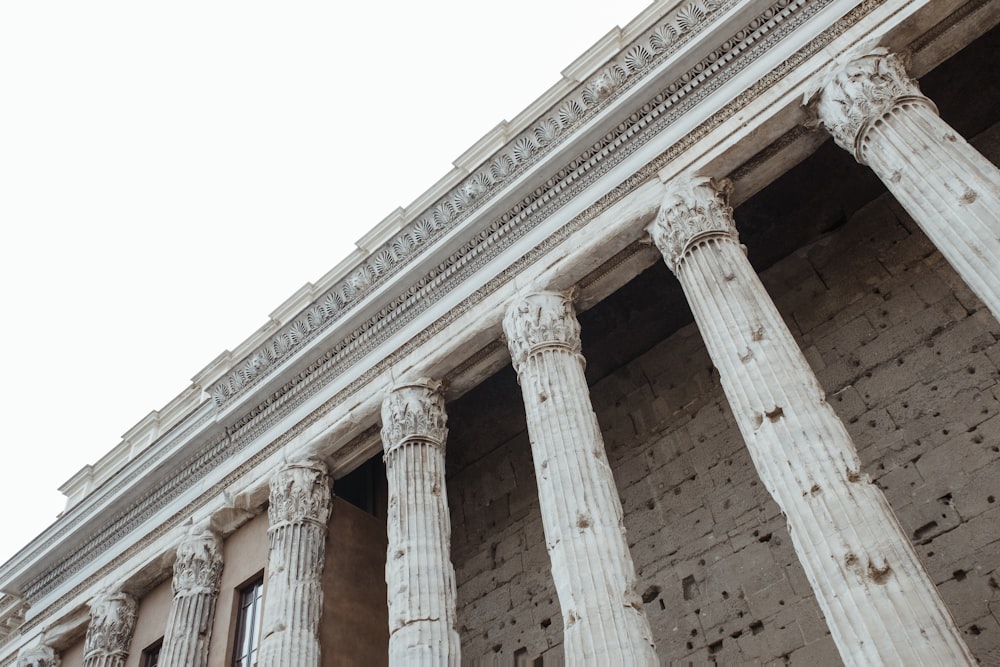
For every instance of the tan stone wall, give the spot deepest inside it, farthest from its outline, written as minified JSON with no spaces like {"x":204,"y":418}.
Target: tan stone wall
{"x":244,"y":554}
{"x":355,"y":625}
{"x":73,"y":655}
{"x":908,"y":358}
{"x":151,"y":621}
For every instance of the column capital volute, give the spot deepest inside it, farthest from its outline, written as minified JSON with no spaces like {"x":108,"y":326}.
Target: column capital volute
{"x":863,"y":87}
{"x":198,"y":568}
{"x":414,"y":412}
{"x":300,"y":493}
{"x":41,"y":655}
{"x":541,"y":320}
{"x":112,"y":620}
{"x":694,"y":208}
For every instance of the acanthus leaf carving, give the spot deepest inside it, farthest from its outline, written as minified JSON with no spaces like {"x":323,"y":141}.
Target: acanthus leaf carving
{"x":541,"y":320}
{"x":263,"y":415}
{"x":523,"y":149}
{"x":300,"y":492}
{"x":693,"y":208}
{"x":112,"y":621}
{"x":862,"y":90}
{"x":198,"y":568}
{"x":414,"y":411}
{"x":39,"y":656}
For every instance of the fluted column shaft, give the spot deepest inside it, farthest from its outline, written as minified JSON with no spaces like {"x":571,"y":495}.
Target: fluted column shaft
{"x":109,"y":633}
{"x":581,"y":513}
{"x":879,"y":602}
{"x":875,"y":111}
{"x":299,"y":511}
{"x":197,"y":573}
{"x":419,"y":574}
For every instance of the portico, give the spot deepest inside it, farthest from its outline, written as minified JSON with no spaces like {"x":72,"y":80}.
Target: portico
{"x":571,"y":468}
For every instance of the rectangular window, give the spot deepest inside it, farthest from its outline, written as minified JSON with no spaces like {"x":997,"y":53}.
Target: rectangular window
{"x":248,"y":624}
{"x":151,"y":655}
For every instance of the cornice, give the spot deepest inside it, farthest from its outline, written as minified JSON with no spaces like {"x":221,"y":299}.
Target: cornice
{"x":594,"y":94}
{"x":241,"y":446}
{"x":732,"y":54}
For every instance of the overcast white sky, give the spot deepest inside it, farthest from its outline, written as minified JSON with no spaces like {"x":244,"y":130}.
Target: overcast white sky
{"x":171,"y":172}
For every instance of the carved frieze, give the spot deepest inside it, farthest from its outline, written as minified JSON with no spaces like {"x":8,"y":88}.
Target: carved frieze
{"x":414,"y":411}
{"x":300,"y":492}
{"x":198,"y":568}
{"x":39,"y":656}
{"x":756,"y":37}
{"x":112,"y":621}
{"x":525,"y":149}
{"x":861,"y":91}
{"x":693,"y":209}
{"x":541,"y":320}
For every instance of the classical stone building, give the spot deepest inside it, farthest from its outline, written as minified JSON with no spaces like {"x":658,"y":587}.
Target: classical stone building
{"x":695,"y":359}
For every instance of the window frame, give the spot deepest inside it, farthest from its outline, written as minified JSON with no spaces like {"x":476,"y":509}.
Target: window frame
{"x":248,"y":602}
{"x":151,"y":654}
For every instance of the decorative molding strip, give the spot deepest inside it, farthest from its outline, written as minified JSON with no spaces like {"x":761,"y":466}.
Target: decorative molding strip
{"x":665,"y":107}
{"x":589,"y":98}
{"x":155,"y":457}
{"x":649,"y":125}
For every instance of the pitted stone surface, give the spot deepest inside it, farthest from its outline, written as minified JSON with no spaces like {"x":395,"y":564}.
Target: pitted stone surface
{"x":299,"y":510}
{"x":603,"y":618}
{"x":857,"y":558}
{"x":891,"y":332}
{"x":874,"y":110}
{"x":419,"y":575}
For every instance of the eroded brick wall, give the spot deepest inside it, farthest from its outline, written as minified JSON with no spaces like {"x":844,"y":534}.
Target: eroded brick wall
{"x":908,"y":358}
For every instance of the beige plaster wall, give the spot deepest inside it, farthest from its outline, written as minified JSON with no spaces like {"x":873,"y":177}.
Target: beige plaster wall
{"x":73,"y":656}
{"x":244,"y":555}
{"x":150,"y":622}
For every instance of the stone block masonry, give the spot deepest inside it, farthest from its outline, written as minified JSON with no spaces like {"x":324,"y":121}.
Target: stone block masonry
{"x":909,"y":360}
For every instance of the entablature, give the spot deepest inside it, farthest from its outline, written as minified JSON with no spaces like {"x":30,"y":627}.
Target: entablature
{"x":563,"y":202}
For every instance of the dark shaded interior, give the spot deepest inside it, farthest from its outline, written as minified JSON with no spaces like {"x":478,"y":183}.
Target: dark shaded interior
{"x":813,"y":198}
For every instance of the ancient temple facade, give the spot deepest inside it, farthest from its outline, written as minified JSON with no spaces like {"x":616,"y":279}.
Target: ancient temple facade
{"x":694,"y":360}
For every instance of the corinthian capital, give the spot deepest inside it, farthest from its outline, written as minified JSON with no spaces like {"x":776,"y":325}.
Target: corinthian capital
{"x":198,"y":567}
{"x":300,"y":492}
{"x":693,"y":208}
{"x":541,"y":320}
{"x":38,"y":656}
{"x":112,"y":620}
{"x":414,"y":411}
{"x":864,"y":88}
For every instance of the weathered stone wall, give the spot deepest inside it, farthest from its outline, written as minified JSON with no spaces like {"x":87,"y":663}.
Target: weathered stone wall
{"x":355,"y":624}
{"x":908,"y":358}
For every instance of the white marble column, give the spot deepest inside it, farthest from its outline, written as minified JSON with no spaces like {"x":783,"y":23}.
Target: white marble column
{"x":299,"y":511}
{"x":581,"y":513}
{"x":418,"y":570}
{"x":109,"y":633}
{"x":197,"y":572}
{"x":879,"y":602}
{"x":875,"y":111}
{"x":39,"y":656}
